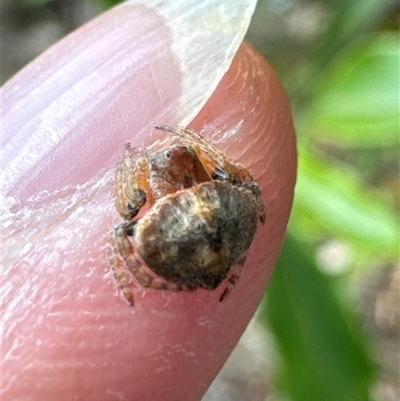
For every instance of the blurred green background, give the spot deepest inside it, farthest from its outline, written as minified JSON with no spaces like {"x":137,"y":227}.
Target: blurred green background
{"x":331,"y":312}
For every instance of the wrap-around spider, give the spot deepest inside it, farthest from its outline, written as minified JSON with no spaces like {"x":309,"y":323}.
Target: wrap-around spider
{"x":202,"y":215}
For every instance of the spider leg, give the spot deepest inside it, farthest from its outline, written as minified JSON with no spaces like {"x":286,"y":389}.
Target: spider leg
{"x":132,"y":184}
{"x":210,"y":156}
{"x":233,"y":278}
{"x":121,"y":274}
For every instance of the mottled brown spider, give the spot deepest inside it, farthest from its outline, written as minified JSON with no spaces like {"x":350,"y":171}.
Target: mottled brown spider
{"x":202,"y":214}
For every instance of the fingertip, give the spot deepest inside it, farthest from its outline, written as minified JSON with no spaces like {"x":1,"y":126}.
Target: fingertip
{"x":174,"y":341}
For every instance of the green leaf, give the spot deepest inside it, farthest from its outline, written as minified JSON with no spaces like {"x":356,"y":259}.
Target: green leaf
{"x":34,"y":3}
{"x":109,"y":3}
{"x":332,"y":198}
{"x":324,"y":356}
{"x":357,"y":104}
{"x":350,"y":18}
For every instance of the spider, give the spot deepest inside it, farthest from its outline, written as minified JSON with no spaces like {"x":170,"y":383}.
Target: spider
{"x":202,"y":214}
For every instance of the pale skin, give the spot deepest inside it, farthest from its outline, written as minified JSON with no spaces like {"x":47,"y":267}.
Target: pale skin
{"x":68,"y":334}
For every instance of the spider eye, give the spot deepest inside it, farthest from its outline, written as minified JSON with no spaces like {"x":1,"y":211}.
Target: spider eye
{"x":142,"y":195}
{"x":219,"y":175}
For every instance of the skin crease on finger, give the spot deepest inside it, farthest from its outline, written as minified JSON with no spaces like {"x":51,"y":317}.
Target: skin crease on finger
{"x":68,"y":334}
